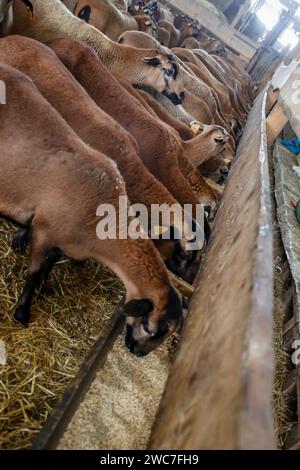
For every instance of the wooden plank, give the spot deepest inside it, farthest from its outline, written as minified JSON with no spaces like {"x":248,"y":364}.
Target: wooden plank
{"x":244,"y":8}
{"x":272,"y":98}
{"x":219,"y":393}
{"x":65,"y":409}
{"x":276,"y":121}
{"x":290,"y":100}
{"x":212,"y":23}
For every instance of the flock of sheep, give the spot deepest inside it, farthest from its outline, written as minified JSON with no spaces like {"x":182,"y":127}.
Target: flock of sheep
{"x":114,"y":98}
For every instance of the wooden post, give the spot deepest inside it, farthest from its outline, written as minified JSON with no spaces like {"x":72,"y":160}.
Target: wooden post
{"x":242,"y":10}
{"x":276,"y":121}
{"x":231,"y":37}
{"x":294,"y":54}
{"x":272,"y":99}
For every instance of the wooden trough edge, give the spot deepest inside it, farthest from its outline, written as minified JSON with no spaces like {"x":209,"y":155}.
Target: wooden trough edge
{"x":64,"y":410}
{"x":219,"y":392}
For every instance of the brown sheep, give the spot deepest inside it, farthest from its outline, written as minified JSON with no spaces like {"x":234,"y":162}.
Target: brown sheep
{"x":178,"y":112}
{"x":145,"y":24}
{"x":163,"y":36}
{"x":122,"y":5}
{"x":190,"y":43}
{"x":218,"y":71}
{"x":185,"y":132}
{"x":200,"y":69}
{"x":53,"y":20}
{"x":106,"y":17}
{"x":158,"y":147}
{"x":137,"y":39}
{"x":90,"y":122}
{"x":199,"y":88}
{"x":205,"y":194}
{"x":54,"y":183}
{"x":175,"y":35}
{"x":209,"y":142}
{"x":198,"y":108}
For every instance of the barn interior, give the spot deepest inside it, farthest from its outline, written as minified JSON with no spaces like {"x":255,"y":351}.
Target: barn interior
{"x":229,"y":378}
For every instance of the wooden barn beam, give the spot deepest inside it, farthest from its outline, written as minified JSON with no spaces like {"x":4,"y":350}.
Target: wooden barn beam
{"x":219,"y":393}
{"x":231,"y":37}
{"x":286,"y":83}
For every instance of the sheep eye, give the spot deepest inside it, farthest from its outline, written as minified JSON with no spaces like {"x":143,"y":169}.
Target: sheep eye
{"x":85,"y":13}
{"x":169,"y":72}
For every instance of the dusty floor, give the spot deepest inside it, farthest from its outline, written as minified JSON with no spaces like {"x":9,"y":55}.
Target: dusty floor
{"x":119,"y":410}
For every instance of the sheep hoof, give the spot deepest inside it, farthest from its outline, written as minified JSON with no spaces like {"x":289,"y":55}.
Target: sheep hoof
{"x":22,"y":315}
{"x":20,"y":240}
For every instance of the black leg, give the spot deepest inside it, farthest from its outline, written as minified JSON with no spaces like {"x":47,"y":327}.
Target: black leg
{"x":20,"y":240}
{"x":52,"y":257}
{"x":33,"y":282}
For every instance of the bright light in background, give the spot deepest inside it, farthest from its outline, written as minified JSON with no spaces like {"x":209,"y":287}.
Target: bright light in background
{"x":269,"y":13}
{"x":289,"y":38}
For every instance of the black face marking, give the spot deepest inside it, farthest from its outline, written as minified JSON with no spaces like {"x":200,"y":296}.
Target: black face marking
{"x":153,"y":61}
{"x":85,"y":13}
{"x":175,"y":71}
{"x":207,"y":229}
{"x":138,"y":308}
{"x":173,"y":314}
{"x":171,"y":322}
{"x":176,"y":100}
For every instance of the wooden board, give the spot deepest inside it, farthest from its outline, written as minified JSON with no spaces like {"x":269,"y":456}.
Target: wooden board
{"x":232,"y":38}
{"x":290,"y":99}
{"x":276,"y":121}
{"x":219,"y":393}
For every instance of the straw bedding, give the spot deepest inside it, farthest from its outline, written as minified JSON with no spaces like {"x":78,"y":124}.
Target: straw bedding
{"x":42,"y":360}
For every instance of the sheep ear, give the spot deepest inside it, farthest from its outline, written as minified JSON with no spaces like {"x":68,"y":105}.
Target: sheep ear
{"x":148,"y":23}
{"x":153,"y":61}
{"x":195,"y":127}
{"x":138,"y":308}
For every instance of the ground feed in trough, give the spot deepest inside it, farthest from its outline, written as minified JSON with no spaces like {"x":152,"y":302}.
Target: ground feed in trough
{"x":119,"y":410}
{"x":44,"y":358}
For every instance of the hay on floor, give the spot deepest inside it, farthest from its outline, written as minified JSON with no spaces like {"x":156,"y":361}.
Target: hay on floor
{"x":42,"y":360}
